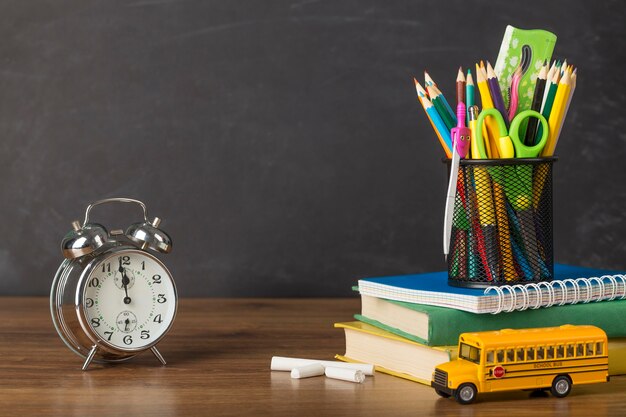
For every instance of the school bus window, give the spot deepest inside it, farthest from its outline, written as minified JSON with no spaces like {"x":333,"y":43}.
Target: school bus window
{"x":530,"y":354}
{"x":600,"y":348}
{"x":560,"y":351}
{"x":580,"y":349}
{"x":510,"y":355}
{"x":489,"y":358}
{"x":549,"y":352}
{"x":519,"y":354}
{"x":540,"y":351}
{"x":471,"y":353}
{"x":569,"y":352}
{"x":590,"y":349}
{"x":500,"y":356}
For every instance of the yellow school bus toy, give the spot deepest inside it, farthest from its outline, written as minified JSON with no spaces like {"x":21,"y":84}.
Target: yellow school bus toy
{"x":552,"y":358}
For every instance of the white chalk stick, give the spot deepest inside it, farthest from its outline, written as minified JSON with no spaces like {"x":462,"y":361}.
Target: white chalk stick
{"x":307,"y":371}
{"x":280,"y":363}
{"x":352,"y":375}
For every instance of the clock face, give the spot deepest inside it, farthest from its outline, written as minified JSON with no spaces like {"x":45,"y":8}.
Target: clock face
{"x":129,"y":300}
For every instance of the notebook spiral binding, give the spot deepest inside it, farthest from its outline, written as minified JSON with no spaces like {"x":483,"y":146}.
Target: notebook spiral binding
{"x":568,"y":291}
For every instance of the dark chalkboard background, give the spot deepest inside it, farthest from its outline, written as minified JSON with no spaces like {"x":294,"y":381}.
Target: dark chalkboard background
{"x":281,"y":141}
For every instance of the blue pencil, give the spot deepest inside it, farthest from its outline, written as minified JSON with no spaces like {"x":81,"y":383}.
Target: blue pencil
{"x":438,"y":122}
{"x":442,"y":131}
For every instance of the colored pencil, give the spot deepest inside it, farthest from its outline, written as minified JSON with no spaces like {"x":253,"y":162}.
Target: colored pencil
{"x":548,"y":81}
{"x":487,"y":218}
{"x":443,"y":99}
{"x":568,"y":100}
{"x":504,"y":234}
{"x":443,"y":133}
{"x":490,"y":126}
{"x":428,"y":81}
{"x":549,"y":102}
{"x":556,"y":114}
{"x":470,"y":92}
{"x":438,"y":101}
{"x":496,"y":94}
{"x":477,"y":239}
{"x":460,"y":86}
{"x":557,"y":72}
{"x":531,"y":129}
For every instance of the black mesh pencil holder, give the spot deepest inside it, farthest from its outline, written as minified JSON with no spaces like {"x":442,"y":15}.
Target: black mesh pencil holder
{"x":502,"y":223}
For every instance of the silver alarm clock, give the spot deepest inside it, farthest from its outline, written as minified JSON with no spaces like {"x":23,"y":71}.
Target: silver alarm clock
{"x":112,"y":298}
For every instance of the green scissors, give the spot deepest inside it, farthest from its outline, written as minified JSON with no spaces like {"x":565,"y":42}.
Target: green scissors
{"x":510,"y":145}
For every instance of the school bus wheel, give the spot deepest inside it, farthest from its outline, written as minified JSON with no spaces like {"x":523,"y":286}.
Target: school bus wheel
{"x":442,"y":394}
{"x":465,"y":394}
{"x":561,"y":386}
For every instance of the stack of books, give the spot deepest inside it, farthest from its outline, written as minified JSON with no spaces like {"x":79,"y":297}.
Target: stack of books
{"x":409,"y":324}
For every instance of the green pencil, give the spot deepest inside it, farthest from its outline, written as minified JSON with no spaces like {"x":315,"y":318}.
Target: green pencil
{"x":470,"y":93}
{"x":437,"y":99}
{"x":547,"y":107}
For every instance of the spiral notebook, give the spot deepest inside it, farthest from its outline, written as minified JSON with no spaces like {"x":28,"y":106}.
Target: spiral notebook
{"x":571,"y":285}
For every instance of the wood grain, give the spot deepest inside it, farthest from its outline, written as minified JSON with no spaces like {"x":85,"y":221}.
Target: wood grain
{"x":219,"y":353}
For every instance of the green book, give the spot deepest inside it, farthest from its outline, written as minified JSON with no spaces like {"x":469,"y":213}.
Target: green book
{"x":439,"y":326}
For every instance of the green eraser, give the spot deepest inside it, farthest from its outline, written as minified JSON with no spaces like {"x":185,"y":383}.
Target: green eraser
{"x":530,"y":48}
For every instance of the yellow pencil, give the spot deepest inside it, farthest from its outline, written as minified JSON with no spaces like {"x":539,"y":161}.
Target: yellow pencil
{"x":557,"y":113}
{"x":504,"y":234}
{"x":491,"y":125}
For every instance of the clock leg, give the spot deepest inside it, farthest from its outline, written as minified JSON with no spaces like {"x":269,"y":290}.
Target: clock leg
{"x":92,"y":353}
{"x":158,"y":355}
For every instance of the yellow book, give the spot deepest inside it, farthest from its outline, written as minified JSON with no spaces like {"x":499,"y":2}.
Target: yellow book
{"x":404,"y":358}
{"x":617,"y":356}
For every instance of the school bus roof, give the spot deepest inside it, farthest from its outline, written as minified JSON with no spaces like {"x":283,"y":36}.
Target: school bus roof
{"x":540,"y":335}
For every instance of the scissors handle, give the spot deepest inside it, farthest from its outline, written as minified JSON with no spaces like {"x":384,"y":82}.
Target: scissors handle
{"x":521,"y":150}
{"x":505,"y":147}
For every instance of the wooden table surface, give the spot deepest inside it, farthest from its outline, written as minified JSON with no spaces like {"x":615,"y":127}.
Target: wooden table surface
{"x":218,"y":355}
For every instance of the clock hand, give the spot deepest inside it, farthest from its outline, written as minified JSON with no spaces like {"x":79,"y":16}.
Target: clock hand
{"x":125,"y":282}
{"x":127,"y":322}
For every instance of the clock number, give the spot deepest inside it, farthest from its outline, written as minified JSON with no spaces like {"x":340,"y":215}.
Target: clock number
{"x":125,"y":260}
{"x":161,"y":299}
{"x":109,"y":334}
{"x":158,"y":319}
{"x":156,"y":279}
{"x":145,"y":334}
{"x":143,"y":265}
{"x":89,"y":303}
{"x":95,"y":322}
{"x":128,"y":339}
{"x":106,"y":267}
{"x":95,"y":282}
